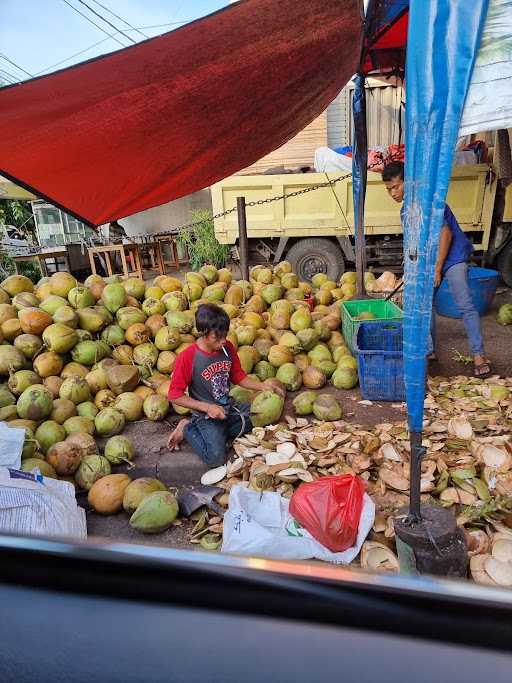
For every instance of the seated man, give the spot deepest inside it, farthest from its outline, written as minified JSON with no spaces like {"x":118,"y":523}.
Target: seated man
{"x":206,"y":369}
{"x":455,"y":250}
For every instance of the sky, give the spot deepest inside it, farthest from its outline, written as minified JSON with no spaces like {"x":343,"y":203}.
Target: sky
{"x":38,"y":34}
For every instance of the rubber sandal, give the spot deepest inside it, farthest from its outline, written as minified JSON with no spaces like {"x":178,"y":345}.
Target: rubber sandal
{"x":482,"y":370}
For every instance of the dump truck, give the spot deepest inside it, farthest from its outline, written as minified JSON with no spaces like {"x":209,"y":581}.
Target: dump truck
{"x":308,"y":219}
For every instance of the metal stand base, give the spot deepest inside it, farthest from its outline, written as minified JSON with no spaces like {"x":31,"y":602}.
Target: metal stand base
{"x":432,"y":545}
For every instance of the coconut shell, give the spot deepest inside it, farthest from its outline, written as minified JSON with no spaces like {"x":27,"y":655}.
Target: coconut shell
{"x":122,"y":378}
{"x":313,"y":378}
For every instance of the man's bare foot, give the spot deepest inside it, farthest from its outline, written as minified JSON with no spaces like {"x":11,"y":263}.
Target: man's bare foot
{"x":177,"y":435}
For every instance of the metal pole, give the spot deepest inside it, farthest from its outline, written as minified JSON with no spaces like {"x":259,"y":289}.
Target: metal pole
{"x":417,"y":453}
{"x":359,"y":176}
{"x":242,"y":237}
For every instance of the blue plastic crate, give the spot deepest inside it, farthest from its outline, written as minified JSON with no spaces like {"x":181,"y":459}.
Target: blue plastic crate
{"x":380,"y":360}
{"x":482,"y":284}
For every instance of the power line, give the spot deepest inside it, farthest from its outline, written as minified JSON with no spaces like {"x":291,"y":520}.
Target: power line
{"x":100,"y":16}
{"x":120,"y":18}
{"x":14,"y":64}
{"x":8,"y":77}
{"x":93,"y":22}
{"x":104,"y":40}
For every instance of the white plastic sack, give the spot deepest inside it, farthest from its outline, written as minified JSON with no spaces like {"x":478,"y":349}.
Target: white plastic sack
{"x":11,"y":445}
{"x":326,"y":159}
{"x":33,"y":505}
{"x":259,"y":525}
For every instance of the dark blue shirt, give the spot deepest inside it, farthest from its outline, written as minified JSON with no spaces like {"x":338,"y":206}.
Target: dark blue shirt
{"x":461,"y":247}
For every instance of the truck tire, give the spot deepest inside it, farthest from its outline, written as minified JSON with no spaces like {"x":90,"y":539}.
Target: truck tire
{"x":504,"y":263}
{"x":316,"y":255}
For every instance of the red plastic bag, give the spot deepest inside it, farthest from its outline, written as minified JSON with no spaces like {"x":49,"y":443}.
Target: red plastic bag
{"x":330,"y":509}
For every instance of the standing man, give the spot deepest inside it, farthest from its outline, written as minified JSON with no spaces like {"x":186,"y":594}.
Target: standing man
{"x":455,"y":250}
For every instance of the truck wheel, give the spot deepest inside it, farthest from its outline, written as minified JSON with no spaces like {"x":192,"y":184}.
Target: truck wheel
{"x":504,"y":263}
{"x":316,"y":255}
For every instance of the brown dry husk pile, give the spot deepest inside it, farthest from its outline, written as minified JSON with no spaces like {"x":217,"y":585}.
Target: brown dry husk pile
{"x":467,"y":467}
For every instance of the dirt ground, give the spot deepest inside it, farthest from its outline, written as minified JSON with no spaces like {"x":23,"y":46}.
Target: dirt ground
{"x":184,"y":469}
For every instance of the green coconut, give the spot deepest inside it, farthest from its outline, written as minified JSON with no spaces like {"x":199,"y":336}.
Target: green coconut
{"x":155,"y":407}
{"x":266,"y":408}
{"x":35,"y":403}
{"x":180,"y":321}
{"x":109,"y":422}
{"x":8,"y":413}
{"x":25,"y":300}
{"x":504,"y":316}
{"x":74,"y":369}
{"x":66,"y":315}
{"x":291,"y":341}
{"x":155,"y":513}
{"x":119,"y":449}
{"x":245,"y":334}
{"x":318,"y":280}
{"x":210,"y":273}
{"x":31,"y":464}
{"x":279,"y":355}
{"x":326,"y":366}
{"x":348,"y":362}
{"x":91,"y":319}
{"x":21,"y":380}
{"x":11,"y":359}
{"x":87,"y":353}
{"x":28,"y":344}
{"x":7,"y":398}
{"x":16,"y":284}
{"x":303,"y":403}
{"x":264,"y":370}
{"x":145,"y":354}
{"x":113,"y":335}
{"x":301,"y":319}
{"x":178,"y":301}
{"x":75,"y":389}
{"x":327,"y":408}
{"x":167,"y":339}
{"x":130,"y":404}
{"x":52,"y":304}
{"x":81,"y":297}
{"x":289,"y":374}
{"x":318,"y":353}
{"x":48,"y":433}
{"x":308,"y":338}
{"x":87,"y":409}
{"x":79,"y":425}
{"x":129,"y":315}
{"x":135,"y":287}
{"x":29,"y":444}
{"x":344,"y":378}
{"x":137,"y":490}
{"x":114,"y":297}
{"x":322,"y":329}
{"x":92,"y":468}
{"x":241,"y":395}
{"x":153,"y":307}
{"x":271,"y":293}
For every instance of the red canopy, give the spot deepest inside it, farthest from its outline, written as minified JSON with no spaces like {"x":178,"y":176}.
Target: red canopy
{"x":174,"y":114}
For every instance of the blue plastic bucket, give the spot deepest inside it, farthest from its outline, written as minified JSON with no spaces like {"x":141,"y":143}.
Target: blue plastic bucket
{"x":482,"y":283}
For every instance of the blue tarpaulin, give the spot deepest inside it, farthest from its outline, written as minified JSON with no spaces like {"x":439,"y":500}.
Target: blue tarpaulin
{"x":443,"y":41}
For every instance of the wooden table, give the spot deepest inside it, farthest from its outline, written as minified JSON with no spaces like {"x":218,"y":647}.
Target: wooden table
{"x":42,"y":256}
{"x":172,"y":242}
{"x":127,"y":255}
{"x":153,"y":250}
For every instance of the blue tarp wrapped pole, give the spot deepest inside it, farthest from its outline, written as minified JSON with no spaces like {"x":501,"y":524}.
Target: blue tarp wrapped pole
{"x":443,"y":40}
{"x":359,"y":177}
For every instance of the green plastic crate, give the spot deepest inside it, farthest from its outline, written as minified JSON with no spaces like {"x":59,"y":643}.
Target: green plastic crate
{"x":383,"y":310}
